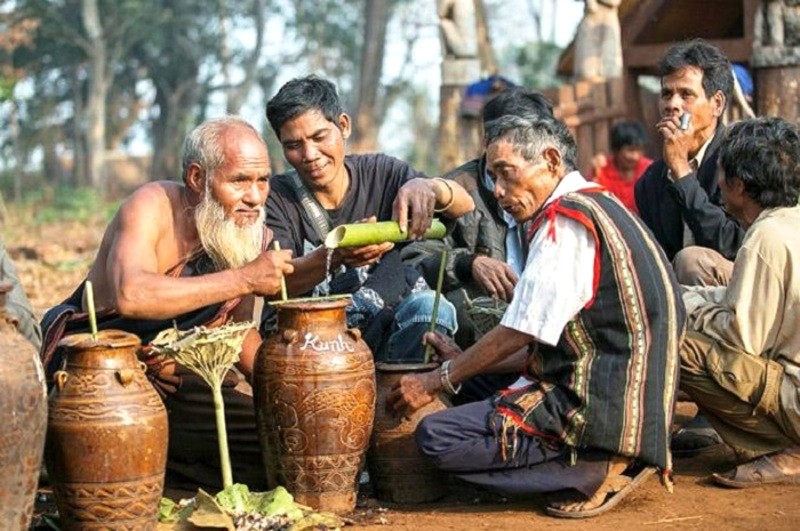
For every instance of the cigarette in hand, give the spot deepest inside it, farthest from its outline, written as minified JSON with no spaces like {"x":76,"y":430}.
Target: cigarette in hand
{"x":685,"y":117}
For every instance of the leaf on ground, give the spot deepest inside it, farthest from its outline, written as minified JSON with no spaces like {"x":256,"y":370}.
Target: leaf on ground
{"x":208,"y":513}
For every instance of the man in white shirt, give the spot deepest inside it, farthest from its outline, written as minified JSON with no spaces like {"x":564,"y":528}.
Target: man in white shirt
{"x":595,"y":331}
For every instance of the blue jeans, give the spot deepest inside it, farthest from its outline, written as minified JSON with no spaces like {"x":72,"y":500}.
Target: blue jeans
{"x":412,"y":318}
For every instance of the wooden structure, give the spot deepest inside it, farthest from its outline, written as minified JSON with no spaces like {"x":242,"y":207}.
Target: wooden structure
{"x":589,"y":109}
{"x":651,"y":27}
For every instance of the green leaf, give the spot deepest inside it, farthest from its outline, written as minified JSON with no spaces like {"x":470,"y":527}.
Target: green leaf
{"x":276,"y":502}
{"x":167,"y":510}
{"x":235,"y":499}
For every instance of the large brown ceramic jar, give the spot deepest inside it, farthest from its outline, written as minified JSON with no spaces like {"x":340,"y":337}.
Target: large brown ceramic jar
{"x":399,"y":472}
{"x":106,"y":447}
{"x":23,"y":418}
{"x":314,"y":386}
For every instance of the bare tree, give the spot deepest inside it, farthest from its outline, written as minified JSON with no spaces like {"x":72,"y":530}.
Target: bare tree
{"x":376,"y":19}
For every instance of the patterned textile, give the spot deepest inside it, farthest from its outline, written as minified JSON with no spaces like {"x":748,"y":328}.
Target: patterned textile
{"x":610,"y":382}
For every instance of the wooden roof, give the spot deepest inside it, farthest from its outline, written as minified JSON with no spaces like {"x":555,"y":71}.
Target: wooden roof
{"x":650,"y":27}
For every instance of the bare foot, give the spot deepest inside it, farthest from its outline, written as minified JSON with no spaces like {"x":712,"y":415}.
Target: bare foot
{"x":614,"y":482}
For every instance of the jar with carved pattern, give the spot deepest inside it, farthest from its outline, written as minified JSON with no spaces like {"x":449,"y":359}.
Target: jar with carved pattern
{"x":314,"y":393}
{"x":106,"y":448}
{"x":23,"y":417}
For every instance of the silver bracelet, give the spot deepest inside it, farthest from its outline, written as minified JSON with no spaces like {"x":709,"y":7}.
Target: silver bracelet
{"x":444,"y":378}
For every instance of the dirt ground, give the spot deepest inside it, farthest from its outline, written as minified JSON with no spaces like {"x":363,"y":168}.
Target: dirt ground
{"x":52,"y":259}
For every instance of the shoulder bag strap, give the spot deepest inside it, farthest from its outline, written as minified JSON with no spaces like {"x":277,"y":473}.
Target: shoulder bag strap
{"x":320,"y":219}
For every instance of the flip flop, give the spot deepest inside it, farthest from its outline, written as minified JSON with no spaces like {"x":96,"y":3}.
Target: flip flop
{"x":611,"y":501}
{"x":761,"y":471}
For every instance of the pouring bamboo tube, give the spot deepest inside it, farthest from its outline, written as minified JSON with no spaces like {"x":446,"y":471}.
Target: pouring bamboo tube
{"x":358,"y":234}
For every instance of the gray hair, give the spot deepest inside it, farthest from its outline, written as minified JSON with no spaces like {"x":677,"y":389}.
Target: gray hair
{"x":203,"y":145}
{"x":532,"y":134}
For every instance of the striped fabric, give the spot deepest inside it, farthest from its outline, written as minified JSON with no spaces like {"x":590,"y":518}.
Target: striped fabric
{"x":610,"y":382}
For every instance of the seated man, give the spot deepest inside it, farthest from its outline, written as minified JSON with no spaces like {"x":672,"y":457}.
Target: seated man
{"x":17,"y":303}
{"x":190,"y":254}
{"x":486,"y":249}
{"x":619,"y":172}
{"x":328,"y":188}
{"x":740,"y":360}
{"x":678,"y":197}
{"x":596,"y":321}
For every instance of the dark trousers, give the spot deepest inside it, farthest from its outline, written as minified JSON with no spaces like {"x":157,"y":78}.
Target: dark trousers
{"x":464,"y":441}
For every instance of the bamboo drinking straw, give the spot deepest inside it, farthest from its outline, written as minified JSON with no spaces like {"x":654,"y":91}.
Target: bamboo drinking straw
{"x":89,"y":293}
{"x":277,"y":246}
{"x":439,"y":281}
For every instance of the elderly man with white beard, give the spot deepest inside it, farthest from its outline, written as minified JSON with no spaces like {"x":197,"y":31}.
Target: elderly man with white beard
{"x":190,"y":254}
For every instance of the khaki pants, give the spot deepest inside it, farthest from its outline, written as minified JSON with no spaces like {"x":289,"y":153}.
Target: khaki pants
{"x":739,"y":394}
{"x":701,"y":266}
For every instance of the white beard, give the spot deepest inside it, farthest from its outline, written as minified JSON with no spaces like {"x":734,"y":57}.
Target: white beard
{"x":228,"y":245}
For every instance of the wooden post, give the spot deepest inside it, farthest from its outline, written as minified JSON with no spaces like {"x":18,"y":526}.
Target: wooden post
{"x":456,"y":74}
{"x":777,"y":92}
{"x":777,"y":60}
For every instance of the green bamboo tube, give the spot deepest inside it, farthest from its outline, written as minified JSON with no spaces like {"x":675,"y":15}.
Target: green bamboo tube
{"x":358,"y":234}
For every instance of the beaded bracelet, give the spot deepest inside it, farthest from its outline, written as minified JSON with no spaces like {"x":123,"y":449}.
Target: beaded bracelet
{"x":444,"y":378}
{"x":452,"y":195}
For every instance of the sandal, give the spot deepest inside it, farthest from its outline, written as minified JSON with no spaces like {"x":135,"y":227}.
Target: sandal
{"x":612,"y":498}
{"x":760,"y":471}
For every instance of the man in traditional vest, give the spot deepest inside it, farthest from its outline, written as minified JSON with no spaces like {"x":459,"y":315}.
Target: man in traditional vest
{"x":595,"y":323}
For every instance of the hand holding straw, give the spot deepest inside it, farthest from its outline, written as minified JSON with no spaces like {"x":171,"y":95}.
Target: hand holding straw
{"x":277,"y":246}
{"x":434,"y":317}
{"x":89,"y":294}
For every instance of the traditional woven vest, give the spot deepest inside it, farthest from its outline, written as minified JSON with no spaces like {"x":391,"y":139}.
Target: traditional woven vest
{"x":610,"y":381}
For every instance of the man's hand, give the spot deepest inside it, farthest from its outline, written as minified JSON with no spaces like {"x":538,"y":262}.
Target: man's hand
{"x":413,"y":392}
{"x":264,"y":274}
{"x":361,"y":256}
{"x":495,"y":277}
{"x":444,"y":346}
{"x":365,"y":255}
{"x":414,"y":203}
{"x":677,"y":145}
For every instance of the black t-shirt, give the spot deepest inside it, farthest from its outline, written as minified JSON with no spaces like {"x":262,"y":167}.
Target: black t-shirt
{"x":374,"y":182}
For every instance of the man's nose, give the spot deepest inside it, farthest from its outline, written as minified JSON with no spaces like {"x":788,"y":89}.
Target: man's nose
{"x":673,"y":104}
{"x":499,"y":190}
{"x":256,"y":194}
{"x":310,"y":151}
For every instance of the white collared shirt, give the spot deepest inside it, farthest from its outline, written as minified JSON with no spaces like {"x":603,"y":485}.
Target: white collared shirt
{"x":558,"y":276}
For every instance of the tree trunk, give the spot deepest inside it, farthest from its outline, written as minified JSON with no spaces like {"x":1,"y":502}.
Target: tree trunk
{"x":80,"y":176}
{"x":96,"y":101}
{"x":365,"y":134}
{"x":238,"y":95}
{"x":176,"y":105}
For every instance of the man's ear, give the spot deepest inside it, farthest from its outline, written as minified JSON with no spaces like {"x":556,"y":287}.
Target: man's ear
{"x":552,"y":157}
{"x":718,"y":103}
{"x":344,"y":125}
{"x":196,"y":178}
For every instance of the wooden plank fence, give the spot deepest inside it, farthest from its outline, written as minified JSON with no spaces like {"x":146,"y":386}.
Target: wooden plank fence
{"x":589,"y":109}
